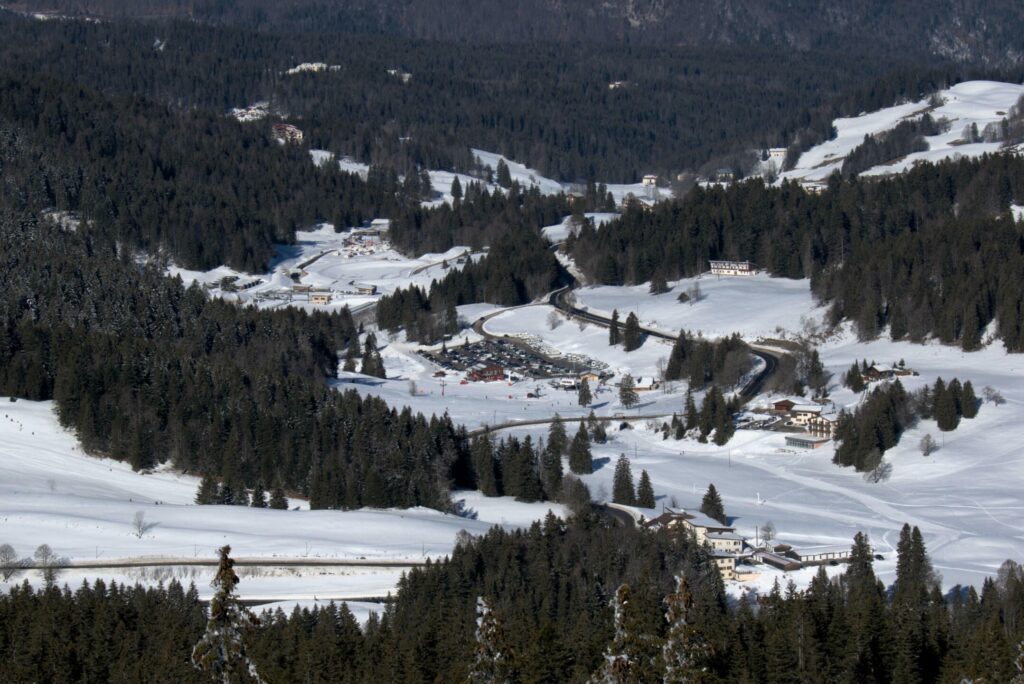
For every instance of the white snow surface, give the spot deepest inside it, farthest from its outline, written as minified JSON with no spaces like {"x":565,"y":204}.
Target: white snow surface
{"x":977,"y":102}
{"x":1017,"y":212}
{"x":83,"y":507}
{"x":561,"y":231}
{"x":754,"y":306}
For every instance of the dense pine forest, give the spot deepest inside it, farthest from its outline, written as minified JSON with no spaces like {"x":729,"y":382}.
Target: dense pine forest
{"x":547,"y":104}
{"x":560,"y":602}
{"x":933,"y":252}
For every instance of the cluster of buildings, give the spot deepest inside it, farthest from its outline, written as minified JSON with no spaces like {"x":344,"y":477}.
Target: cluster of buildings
{"x":287,"y":133}
{"x":736,"y":558}
{"x":253,"y":112}
{"x":818,"y":421}
{"x":312,"y":67}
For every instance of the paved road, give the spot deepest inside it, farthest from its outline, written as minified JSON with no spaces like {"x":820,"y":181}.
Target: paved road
{"x":558,"y":299}
{"x":244,"y":562}
{"x":616,"y":516}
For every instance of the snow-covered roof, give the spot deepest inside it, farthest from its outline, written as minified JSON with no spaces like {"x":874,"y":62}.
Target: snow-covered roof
{"x":807,"y":408}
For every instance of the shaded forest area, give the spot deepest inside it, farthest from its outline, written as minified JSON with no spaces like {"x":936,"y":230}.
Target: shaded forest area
{"x":933,"y":252}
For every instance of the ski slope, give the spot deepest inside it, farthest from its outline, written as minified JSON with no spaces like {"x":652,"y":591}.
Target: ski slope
{"x":971,"y":102}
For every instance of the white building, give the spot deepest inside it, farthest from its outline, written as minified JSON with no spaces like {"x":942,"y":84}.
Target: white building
{"x":732,"y":268}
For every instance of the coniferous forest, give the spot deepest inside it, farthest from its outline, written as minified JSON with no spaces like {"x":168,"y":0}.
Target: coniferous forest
{"x":559,"y":602}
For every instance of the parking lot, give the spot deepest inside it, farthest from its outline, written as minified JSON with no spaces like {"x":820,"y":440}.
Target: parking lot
{"x":514,"y":359}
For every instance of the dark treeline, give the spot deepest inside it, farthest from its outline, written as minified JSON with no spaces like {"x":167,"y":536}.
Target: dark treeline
{"x":547,"y":104}
{"x":201,"y":188}
{"x":930,"y":252}
{"x":563,"y":602}
{"x":700,"y":361}
{"x":147,"y":371}
{"x":907,"y":137}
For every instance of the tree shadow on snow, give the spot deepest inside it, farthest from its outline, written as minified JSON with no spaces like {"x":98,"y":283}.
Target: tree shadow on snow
{"x":599,"y":463}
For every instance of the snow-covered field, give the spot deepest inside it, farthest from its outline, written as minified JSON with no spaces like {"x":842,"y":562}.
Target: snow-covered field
{"x":84,"y":508}
{"x":343,"y":263}
{"x":971,"y":102}
{"x":561,"y":231}
{"x":753,"y":306}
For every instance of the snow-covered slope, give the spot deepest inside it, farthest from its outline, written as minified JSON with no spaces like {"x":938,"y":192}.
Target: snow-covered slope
{"x":971,"y":102}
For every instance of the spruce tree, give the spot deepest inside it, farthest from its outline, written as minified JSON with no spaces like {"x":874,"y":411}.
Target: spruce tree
{"x":945,"y":407}
{"x":485,"y":467}
{"x":493,"y":657}
{"x":645,"y":492}
{"x":584,"y":397}
{"x":580,"y":459}
{"x":622,"y":483}
{"x":278,"y":500}
{"x":259,"y":496}
{"x":221,"y":651}
{"x":968,"y":401}
{"x":627,"y":658}
{"x":690,"y":408}
{"x":711,"y":505}
{"x":456,"y":190}
{"x":631,"y":337}
{"x":686,"y":653}
{"x":209,"y":491}
{"x":627,"y":392}
{"x":551,"y":472}
{"x":504,"y":177}
{"x":614,"y":333}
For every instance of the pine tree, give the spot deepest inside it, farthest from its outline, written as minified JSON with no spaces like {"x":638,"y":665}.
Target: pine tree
{"x":945,"y":407}
{"x":580,"y":460}
{"x":259,"y":496}
{"x":622,"y":483}
{"x":614,"y":334}
{"x":551,"y":472}
{"x":485,"y":467}
{"x":658,"y":284}
{"x":493,"y":657}
{"x":278,"y":500}
{"x":645,"y":492}
{"x":627,"y":392}
{"x":631,"y":337}
{"x":685,"y":653}
{"x":209,"y":491}
{"x":626,"y":658}
{"x":221,"y":651}
{"x":854,"y":380}
{"x":690,"y":408}
{"x":504,"y":177}
{"x":456,"y":190}
{"x":968,"y":401}
{"x":584,"y":398}
{"x":711,"y":505}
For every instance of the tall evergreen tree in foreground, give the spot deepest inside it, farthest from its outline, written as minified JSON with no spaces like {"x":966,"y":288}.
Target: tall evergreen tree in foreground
{"x":614,"y":332}
{"x":622,"y":484}
{"x":584,"y":397}
{"x":580,"y":459}
{"x":645,"y":491}
{"x":712,"y":506}
{"x":627,"y":391}
{"x":685,"y":652}
{"x":221,"y":651}
{"x":492,"y":663}
{"x":631,"y":336}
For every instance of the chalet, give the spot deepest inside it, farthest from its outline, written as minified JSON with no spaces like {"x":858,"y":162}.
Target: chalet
{"x":590,"y":377}
{"x":725,"y":562}
{"x":776,"y":153}
{"x":878,"y":372}
{"x":783,"y":405}
{"x":807,"y":441}
{"x":732,"y":268}
{"x":650,"y":180}
{"x":286,"y":133}
{"x":725,"y":175}
{"x":320,"y":298}
{"x":486,"y":372}
{"x":819,"y":555}
{"x":814,"y":188}
{"x":365,"y":289}
{"x":801,"y":414}
{"x":646,"y":384}
{"x":824,"y":424}
{"x":725,"y":541}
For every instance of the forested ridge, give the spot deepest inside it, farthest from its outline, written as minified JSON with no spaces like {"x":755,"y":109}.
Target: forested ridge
{"x":932,"y":252}
{"x":546,"y":103}
{"x":560,"y":602}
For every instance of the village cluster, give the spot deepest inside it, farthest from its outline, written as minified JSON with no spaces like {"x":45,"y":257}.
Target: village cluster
{"x":736,"y":557}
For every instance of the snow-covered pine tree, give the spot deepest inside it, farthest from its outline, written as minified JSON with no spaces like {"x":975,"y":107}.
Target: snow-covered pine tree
{"x":493,"y":661}
{"x":1019,"y":678}
{"x":220,"y":652}
{"x":617,"y":666}
{"x":685,"y":652}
